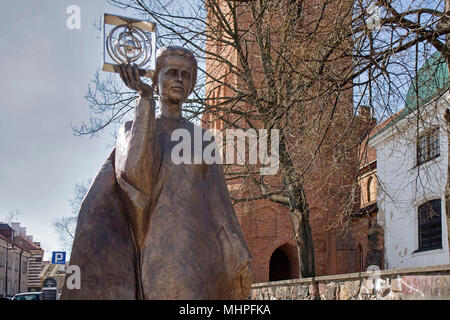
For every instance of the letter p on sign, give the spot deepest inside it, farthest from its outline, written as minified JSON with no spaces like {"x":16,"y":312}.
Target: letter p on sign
{"x":58,"y":257}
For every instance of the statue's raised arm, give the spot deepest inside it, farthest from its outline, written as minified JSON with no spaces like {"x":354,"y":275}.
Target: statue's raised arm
{"x":134,"y":161}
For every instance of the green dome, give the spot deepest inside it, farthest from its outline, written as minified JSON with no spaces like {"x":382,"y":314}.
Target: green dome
{"x":432,"y":79}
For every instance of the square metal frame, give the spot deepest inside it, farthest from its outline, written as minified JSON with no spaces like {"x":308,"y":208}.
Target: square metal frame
{"x":147,"y":26}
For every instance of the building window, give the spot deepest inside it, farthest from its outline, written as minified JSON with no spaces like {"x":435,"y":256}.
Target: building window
{"x":428,"y":146}
{"x":430,"y":226}
{"x":360,"y":258}
{"x":369,"y":184}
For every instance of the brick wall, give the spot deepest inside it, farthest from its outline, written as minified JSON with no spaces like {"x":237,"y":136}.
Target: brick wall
{"x":266,"y":227}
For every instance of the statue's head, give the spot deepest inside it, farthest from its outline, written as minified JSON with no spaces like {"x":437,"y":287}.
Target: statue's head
{"x":175,"y":73}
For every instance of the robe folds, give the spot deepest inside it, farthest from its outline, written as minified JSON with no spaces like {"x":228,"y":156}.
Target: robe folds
{"x":192,"y":244}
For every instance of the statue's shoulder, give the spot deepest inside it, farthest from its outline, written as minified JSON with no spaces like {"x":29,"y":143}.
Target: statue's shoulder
{"x":125,"y":129}
{"x":182,"y":123}
{"x":191,"y":126}
{"x":127,"y":126}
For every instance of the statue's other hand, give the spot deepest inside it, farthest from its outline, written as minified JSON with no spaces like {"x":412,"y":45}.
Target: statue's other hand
{"x":130,"y":76}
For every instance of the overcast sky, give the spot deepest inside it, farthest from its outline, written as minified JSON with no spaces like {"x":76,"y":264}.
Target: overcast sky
{"x":45,"y":71}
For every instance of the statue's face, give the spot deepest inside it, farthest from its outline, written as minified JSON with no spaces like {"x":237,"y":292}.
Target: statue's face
{"x":175,"y":79}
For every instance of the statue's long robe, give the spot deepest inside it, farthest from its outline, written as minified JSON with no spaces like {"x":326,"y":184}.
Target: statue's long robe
{"x":193,"y":246}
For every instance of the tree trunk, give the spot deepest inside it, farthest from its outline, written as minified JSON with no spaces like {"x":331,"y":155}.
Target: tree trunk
{"x":299,"y":214}
{"x":303,"y":238}
{"x":446,"y":21}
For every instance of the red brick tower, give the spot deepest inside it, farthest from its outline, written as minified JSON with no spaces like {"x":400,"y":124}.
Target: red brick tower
{"x":266,"y":224}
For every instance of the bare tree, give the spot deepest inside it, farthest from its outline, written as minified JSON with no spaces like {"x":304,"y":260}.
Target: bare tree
{"x":65,"y":226}
{"x":303,"y":69}
{"x":13,"y":215}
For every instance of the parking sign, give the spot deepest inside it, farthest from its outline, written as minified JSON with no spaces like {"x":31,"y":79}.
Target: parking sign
{"x":59,"y":257}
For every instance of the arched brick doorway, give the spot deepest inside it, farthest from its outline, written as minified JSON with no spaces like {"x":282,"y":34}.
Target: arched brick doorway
{"x":283,"y":263}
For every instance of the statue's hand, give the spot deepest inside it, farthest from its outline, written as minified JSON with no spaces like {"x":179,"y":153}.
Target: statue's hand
{"x":131,"y":78}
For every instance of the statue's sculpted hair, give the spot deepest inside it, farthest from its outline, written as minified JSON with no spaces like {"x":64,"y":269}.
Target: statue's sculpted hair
{"x":166,"y":51}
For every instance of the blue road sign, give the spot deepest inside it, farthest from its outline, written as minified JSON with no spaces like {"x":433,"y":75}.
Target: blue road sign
{"x":58,"y":257}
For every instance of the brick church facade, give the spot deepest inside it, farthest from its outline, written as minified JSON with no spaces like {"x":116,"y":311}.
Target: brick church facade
{"x":267,"y":225}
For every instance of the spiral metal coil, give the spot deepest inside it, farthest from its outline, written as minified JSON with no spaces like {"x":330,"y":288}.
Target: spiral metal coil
{"x":128,"y":44}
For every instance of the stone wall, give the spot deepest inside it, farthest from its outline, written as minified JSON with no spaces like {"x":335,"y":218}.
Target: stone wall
{"x":394,"y":284}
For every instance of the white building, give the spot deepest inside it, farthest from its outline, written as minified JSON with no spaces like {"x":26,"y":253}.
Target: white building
{"x":14,"y":259}
{"x":412,"y":155}
{"x":20,"y":260}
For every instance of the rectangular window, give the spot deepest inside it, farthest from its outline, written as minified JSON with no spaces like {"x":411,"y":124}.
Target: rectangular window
{"x":430,"y":226}
{"x":428,"y":146}
{"x":10,"y":260}
{"x":24,"y":266}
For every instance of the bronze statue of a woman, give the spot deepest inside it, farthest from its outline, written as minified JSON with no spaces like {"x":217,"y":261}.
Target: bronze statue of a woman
{"x":152,"y":229}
